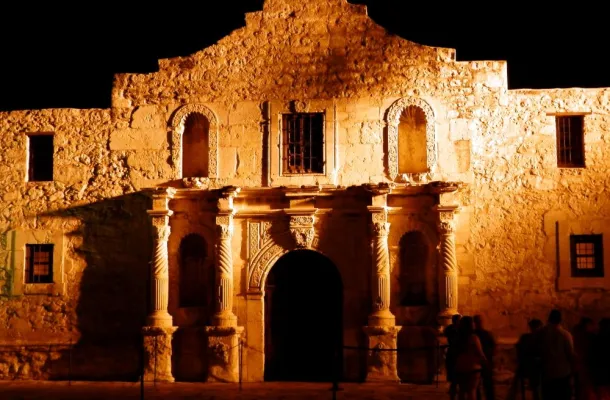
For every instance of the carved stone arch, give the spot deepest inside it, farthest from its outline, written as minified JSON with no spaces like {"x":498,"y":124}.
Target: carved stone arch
{"x":393,"y":119}
{"x":176,"y":124}
{"x":267,"y":256}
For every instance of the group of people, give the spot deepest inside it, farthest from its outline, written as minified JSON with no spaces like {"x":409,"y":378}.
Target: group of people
{"x":469,"y":358}
{"x":557,"y":364}
{"x":554,"y":363}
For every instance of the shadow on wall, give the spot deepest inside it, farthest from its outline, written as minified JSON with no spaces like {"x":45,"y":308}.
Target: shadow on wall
{"x":115,"y":247}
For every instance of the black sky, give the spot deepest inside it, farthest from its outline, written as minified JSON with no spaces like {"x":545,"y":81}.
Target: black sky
{"x":64,"y":54}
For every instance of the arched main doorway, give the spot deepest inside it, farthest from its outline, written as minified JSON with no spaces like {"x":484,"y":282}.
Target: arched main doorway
{"x":303,"y":319}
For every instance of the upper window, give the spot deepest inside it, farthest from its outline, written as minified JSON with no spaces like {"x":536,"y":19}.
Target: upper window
{"x":40,"y":158}
{"x":570,"y":141}
{"x":586,"y":253}
{"x":303,"y":143}
{"x":39,"y":263}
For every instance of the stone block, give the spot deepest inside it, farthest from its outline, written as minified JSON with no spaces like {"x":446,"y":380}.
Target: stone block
{"x":158,"y":354}
{"x":224,"y":347}
{"x":227,"y":162}
{"x":245,"y":112}
{"x":139,"y":139}
{"x":382,"y":360}
{"x":148,"y":117}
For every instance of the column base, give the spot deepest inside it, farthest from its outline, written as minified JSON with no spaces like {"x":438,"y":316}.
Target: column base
{"x":227,"y":319}
{"x":158,"y":353}
{"x":223,"y":353}
{"x":161,"y":319}
{"x":382,"y":365}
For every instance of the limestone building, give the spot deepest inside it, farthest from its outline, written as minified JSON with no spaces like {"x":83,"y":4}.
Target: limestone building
{"x":308,"y":185}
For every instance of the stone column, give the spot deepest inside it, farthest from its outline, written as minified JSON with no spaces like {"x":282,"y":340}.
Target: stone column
{"x":224,"y":273}
{"x":448,"y":274}
{"x":224,"y":335}
{"x":381,"y":331}
{"x":159,"y":330}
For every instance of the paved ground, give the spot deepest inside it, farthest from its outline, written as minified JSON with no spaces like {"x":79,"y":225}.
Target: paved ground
{"x":38,"y":390}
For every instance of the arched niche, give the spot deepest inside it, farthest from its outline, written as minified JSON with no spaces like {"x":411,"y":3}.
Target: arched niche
{"x":405,"y":116}
{"x":179,"y":122}
{"x":195,"y":276}
{"x":414,"y":261}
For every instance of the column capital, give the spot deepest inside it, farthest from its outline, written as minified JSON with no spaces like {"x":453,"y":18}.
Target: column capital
{"x":226,"y":196}
{"x":160,"y":197}
{"x":446,"y":219}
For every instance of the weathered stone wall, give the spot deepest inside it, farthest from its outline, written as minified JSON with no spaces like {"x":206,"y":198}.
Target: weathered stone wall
{"x":509,"y":268}
{"x":89,"y":211}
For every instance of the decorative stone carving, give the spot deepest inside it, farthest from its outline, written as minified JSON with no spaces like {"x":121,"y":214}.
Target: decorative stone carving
{"x":394,"y":119}
{"x":302,"y":230}
{"x":196,"y":183}
{"x":254,"y":237}
{"x":177,"y":126}
{"x":270,"y":252}
{"x":299,"y":106}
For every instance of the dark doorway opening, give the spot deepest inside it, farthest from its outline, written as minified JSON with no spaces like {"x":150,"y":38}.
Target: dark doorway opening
{"x":303,"y":319}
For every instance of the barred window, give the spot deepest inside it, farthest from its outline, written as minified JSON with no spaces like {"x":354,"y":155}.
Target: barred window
{"x":303,"y":143}
{"x":39,"y":263}
{"x":570,"y":141}
{"x":587,"y":256}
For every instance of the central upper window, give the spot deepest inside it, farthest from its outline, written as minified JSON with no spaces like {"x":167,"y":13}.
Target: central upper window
{"x":303,"y":143}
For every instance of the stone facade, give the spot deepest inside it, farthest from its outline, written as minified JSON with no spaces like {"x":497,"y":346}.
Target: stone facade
{"x":479,"y":190}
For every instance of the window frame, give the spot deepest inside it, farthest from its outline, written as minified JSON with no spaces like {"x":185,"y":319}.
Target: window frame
{"x":598,"y":255}
{"x":284,"y":143}
{"x":564,"y":130}
{"x":31,"y":176}
{"x":30,"y":263}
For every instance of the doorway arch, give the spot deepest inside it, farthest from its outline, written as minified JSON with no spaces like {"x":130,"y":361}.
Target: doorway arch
{"x":303,"y":319}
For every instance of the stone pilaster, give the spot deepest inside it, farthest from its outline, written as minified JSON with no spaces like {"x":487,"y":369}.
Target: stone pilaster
{"x":382,"y":332}
{"x":224,"y":335}
{"x":448,"y":281}
{"x":159,"y":330}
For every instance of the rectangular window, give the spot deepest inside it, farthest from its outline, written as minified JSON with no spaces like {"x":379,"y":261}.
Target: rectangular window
{"x":586,"y":252}
{"x":303,"y":143}
{"x":40,"y":158}
{"x":570,"y":141}
{"x":39,"y":263}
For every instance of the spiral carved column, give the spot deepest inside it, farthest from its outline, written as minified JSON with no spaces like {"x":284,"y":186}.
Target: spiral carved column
{"x":382,"y":332}
{"x":224,"y":336}
{"x":159,"y":330}
{"x":224,"y":273}
{"x":448,"y":281}
{"x":160,"y":276}
{"x":381,"y":315}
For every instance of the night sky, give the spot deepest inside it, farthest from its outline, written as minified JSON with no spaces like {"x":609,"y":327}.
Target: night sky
{"x":64,"y":56}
